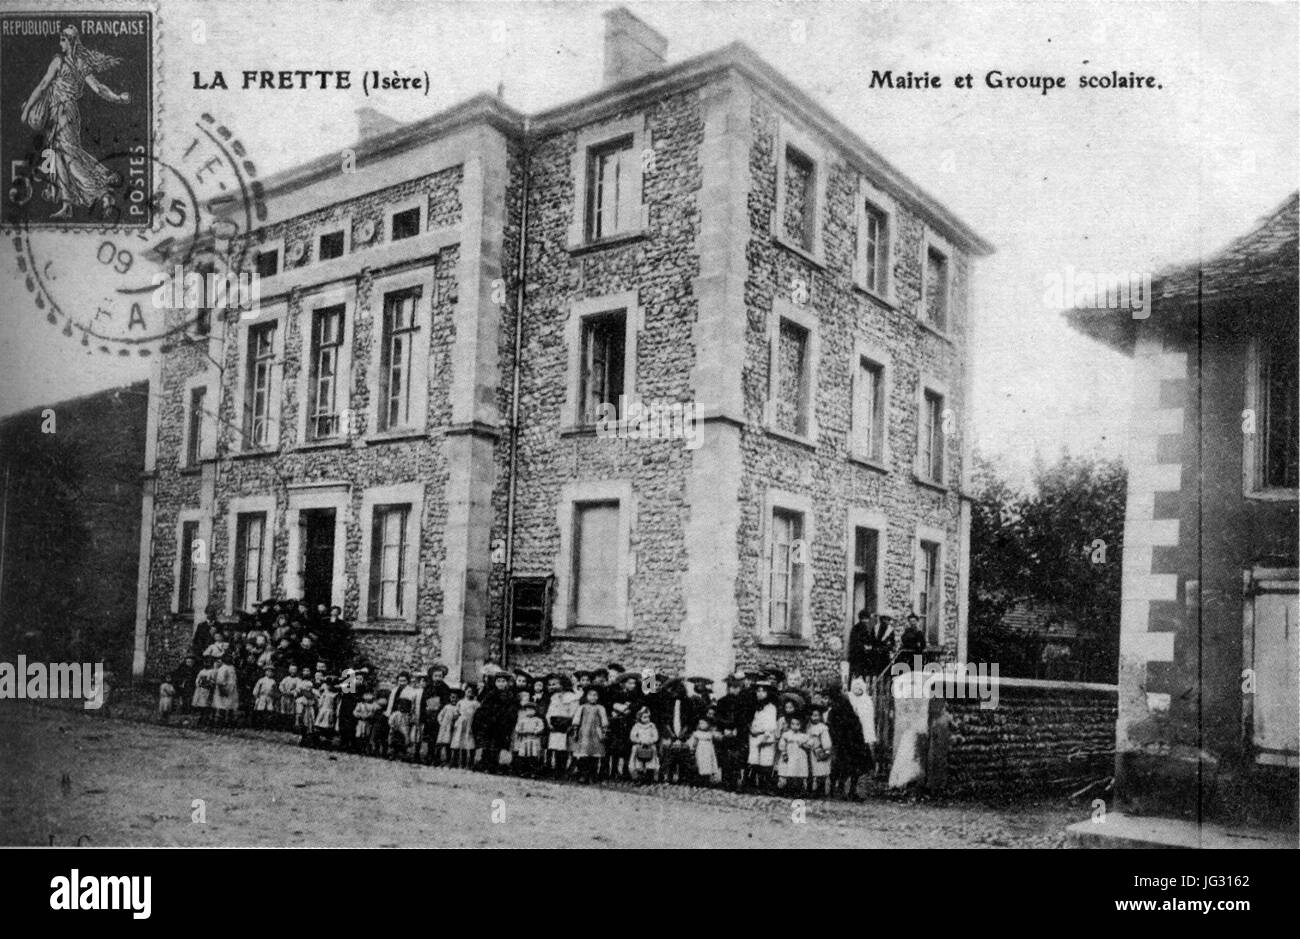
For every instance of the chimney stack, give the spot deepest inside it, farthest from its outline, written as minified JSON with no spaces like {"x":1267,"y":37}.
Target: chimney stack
{"x":632,"y":48}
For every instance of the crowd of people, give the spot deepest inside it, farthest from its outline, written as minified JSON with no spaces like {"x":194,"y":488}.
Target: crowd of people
{"x":294,"y":668}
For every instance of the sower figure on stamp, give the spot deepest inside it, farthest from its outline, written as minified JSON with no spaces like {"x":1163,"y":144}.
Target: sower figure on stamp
{"x":76,"y":177}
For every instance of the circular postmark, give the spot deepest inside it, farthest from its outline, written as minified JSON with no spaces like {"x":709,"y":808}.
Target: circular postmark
{"x":131,"y":291}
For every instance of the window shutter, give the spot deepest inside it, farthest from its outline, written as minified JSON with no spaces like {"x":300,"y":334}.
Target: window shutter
{"x":376,"y":561}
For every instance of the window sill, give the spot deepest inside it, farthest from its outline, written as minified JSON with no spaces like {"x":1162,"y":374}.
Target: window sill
{"x":394,"y":436}
{"x":332,"y":443}
{"x":252,"y":452}
{"x":930,"y":483}
{"x":609,"y":241}
{"x":869,"y":463}
{"x":775,"y":641}
{"x":811,"y":257}
{"x":190,"y":469}
{"x":393,"y":627}
{"x":879,"y":298}
{"x":934,"y":330}
{"x":799,"y":439}
{"x":592,"y":634}
{"x":1272,"y":495}
{"x":578,"y":430}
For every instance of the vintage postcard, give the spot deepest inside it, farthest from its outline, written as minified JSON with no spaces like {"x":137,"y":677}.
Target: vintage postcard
{"x":740,"y":425}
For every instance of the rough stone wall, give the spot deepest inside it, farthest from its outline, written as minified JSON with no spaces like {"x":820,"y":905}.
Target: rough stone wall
{"x":660,"y":267}
{"x":1036,"y":738}
{"x":359,"y":463}
{"x":825,"y":473}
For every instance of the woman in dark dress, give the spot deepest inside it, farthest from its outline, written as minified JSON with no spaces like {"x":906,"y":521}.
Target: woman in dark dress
{"x":850,"y":753}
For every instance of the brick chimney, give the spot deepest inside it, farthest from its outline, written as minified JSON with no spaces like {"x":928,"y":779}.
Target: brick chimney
{"x":632,"y":48}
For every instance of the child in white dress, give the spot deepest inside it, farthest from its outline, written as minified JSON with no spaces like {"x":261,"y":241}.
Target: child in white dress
{"x":792,"y":768}
{"x":701,"y":742}
{"x":264,"y":697}
{"x":819,"y":749}
{"x":644,"y":760}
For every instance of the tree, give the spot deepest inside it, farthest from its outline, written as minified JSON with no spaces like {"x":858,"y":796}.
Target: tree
{"x":1058,"y":546}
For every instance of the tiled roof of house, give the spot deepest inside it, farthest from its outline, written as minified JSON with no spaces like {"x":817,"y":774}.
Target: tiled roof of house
{"x":1263,"y":262}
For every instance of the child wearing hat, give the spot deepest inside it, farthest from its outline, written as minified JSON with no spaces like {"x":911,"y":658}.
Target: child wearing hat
{"x":364,"y":712}
{"x":399,"y":729}
{"x":819,"y":748}
{"x":528,"y":740}
{"x":225,"y":692}
{"x":590,"y":724}
{"x":264,"y":697}
{"x":561,"y":705}
{"x":288,"y":697}
{"x":643,"y":761}
{"x":203,"y":684}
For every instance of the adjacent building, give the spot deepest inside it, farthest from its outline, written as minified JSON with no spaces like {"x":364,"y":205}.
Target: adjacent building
{"x":673,"y":375}
{"x":1209,"y":664}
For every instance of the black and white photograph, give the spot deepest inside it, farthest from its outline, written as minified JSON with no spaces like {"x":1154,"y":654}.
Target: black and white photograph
{"x":649,"y":425}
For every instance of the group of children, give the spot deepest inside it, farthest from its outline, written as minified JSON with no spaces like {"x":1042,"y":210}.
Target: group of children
{"x":606,"y":723}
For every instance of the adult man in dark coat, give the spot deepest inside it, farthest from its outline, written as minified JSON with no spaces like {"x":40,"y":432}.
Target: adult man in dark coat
{"x":203,"y":631}
{"x":913,"y":641}
{"x":494,"y":723}
{"x":675,"y":714}
{"x":735,"y":741}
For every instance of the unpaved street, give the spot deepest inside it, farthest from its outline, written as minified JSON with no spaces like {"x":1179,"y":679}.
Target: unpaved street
{"x":136,"y":784}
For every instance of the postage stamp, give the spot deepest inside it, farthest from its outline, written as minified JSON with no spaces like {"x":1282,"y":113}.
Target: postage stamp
{"x":77,"y":107}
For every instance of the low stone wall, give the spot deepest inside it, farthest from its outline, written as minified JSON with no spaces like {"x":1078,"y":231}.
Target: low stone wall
{"x":1042,"y":736}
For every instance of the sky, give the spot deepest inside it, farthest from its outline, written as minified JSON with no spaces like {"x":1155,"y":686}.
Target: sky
{"x":1101,"y":180}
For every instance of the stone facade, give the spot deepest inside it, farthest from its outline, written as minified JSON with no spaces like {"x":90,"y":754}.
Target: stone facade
{"x":700,"y":278}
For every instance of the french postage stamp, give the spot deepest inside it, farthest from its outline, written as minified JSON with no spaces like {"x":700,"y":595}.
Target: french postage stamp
{"x":77,"y":106}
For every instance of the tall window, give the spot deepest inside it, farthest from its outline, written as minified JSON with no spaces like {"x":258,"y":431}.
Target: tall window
{"x":610,"y":181}
{"x":799,"y":222}
{"x":1279,"y":433}
{"x":792,"y":379}
{"x":866,"y":548}
{"x":323,"y":379}
{"x":397,"y":358}
{"x":595,"y":588}
{"x":194,"y":433}
{"x":257,"y":393}
{"x":927,"y":597}
{"x":786,"y":574}
{"x":935,"y":309}
{"x":876,"y":250}
{"x":389,"y":589}
{"x":250,"y":538}
{"x":603,"y":343}
{"x":869,"y":410}
{"x":188,"y":584}
{"x":930,"y":444}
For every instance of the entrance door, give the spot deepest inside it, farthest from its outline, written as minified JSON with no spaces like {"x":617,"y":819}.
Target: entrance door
{"x":317,"y":540}
{"x":1275,"y":729}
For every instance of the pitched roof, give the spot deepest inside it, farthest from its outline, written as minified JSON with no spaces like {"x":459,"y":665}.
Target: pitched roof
{"x":1262,"y":263}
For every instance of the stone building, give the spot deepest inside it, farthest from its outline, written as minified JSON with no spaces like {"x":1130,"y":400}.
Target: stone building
{"x":673,"y":375}
{"x":1207,"y":725}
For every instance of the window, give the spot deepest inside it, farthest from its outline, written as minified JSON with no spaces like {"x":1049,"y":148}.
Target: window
{"x":799,"y":220}
{"x":869,"y":410}
{"x":601,"y":380}
{"x":268,"y":262}
{"x":611,"y":198}
{"x":1276,"y":417}
{"x":331,"y":245}
{"x":323,"y":380}
{"x":388,"y":568}
{"x":786,"y":563}
{"x":194,"y":432}
{"x":404,"y":224}
{"x":927,"y":594}
{"x":397,"y":358}
{"x":257,"y":392}
{"x":250,"y":536}
{"x":866,"y":554}
{"x":930,"y":438}
{"x":188,"y":580}
{"x":595,"y":592}
{"x":875,"y":230}
{"x":934,"y":309}
{"x":530,"y":610}
{"x":792,"y":383}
